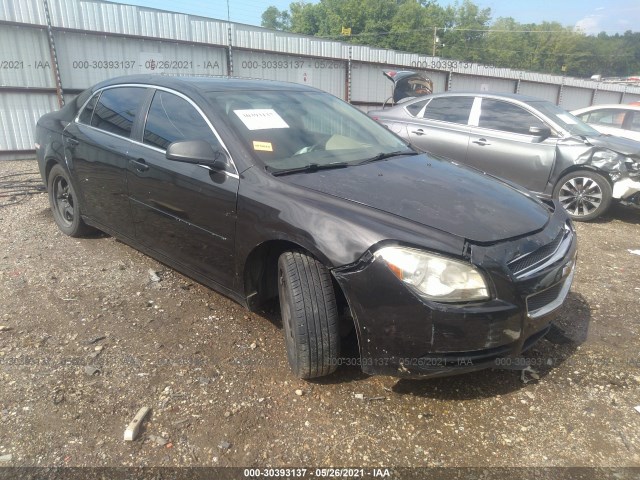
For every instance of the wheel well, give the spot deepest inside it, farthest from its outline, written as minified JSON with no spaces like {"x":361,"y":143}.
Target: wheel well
{"x":50,"y":162}
{"x":588,"y":168}
{"x":261,"y":273}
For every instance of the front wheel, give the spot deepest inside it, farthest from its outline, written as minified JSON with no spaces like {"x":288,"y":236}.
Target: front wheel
{"x":309,"y":315}
{"x":584,"y":195}
{"x":64,"y":203}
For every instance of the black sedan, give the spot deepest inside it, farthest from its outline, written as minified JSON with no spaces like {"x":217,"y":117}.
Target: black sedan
{"x":265,"y":190}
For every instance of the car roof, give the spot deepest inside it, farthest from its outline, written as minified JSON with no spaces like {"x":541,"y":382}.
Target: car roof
{"x":498,"y":95}
{"x":618,"y":106}
{"x":204,"y":84}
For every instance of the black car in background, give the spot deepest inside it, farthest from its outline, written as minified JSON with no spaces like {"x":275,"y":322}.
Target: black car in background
{"x":265,"y":190}
{"x":529,"y":141}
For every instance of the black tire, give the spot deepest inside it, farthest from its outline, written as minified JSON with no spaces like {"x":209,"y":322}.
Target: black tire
{"x":584,"y":195}
{"x":64,"y":203}
{"x":309,"y":315}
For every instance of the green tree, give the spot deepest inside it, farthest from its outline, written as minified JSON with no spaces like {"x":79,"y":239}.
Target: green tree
{"x":465,"y":32}
{"x":276,"y":19}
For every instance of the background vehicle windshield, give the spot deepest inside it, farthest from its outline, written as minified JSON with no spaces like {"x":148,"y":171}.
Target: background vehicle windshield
{"x":295,"y":129}
{"x":565,"y":119}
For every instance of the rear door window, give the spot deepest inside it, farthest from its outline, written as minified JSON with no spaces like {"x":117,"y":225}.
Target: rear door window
{"x":415,"y":108}
{"x":450,"y":109}
{"x":507,"y":117}
{"x":117,"y":109}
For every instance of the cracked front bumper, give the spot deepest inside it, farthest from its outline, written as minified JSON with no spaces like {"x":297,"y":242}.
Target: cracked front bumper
{"x":403,"y":334}
{"x":625,"y":188}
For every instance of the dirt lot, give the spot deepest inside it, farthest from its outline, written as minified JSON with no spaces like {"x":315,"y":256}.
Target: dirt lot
{"x":88,"y":338}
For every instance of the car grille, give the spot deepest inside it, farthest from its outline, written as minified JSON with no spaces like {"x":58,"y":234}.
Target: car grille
{"x":548,"y":300}
{"x":538,"y":259}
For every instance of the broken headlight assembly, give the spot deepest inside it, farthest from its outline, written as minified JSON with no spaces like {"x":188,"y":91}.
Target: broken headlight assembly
{"x":435,"y":277}
{"x":633,"y":167}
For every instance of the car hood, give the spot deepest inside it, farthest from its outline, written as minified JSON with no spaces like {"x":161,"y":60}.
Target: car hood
{"x":621,"y":145}
{"x":436,"y":193}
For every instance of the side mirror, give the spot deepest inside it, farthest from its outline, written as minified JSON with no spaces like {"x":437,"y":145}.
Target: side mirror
{"x":197,"y":152}
{"x":541,"y":132}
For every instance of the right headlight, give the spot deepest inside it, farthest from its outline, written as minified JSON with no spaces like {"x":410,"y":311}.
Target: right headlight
{"x":435,"y":277}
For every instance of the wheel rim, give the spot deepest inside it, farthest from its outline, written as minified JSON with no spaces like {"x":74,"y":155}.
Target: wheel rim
{"x":580,"y":196}
{"x":63,"y":200}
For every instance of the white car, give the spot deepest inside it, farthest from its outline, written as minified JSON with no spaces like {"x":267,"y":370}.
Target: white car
{"x":618,"y":120}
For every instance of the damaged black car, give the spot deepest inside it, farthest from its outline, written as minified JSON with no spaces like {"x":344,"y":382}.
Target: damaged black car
{"x":526,"y":140}
{"x":269,"y":191}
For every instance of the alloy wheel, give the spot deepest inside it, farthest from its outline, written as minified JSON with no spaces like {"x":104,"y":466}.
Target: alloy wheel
{"x":580,"y":196}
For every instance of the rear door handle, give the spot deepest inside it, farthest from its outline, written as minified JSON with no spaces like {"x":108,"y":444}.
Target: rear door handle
{"x":481,"y":141}
{"x":72,"y":141}
{"x":418,"y":132}
{"x":140,"y":165}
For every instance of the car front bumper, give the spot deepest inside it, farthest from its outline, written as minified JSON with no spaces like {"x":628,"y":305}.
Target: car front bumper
{"x":401,"y":333}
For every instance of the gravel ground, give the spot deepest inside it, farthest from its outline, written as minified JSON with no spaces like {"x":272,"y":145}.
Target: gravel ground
{"x":87,"y":338}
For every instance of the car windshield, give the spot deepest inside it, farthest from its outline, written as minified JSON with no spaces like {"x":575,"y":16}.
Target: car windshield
{"x":565,"y":119}
{"x":295,"y":130}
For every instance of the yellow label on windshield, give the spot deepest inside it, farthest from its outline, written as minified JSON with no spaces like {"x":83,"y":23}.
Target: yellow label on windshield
{"x":263,"y":146}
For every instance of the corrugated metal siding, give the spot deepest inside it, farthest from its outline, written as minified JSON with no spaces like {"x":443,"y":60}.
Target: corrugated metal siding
{"x":19,"y":113}
{"x":27,"y":55}
{"x":631,"y":97}
{"x":482,"y":84}
{"x":90,"y":59}
{"x":540,"y":90}
{"x":23,"y":11}
{"x":320,"y":62}
{"x":327,"y":75}
{"x":573,"y":98}
{"x":254,"y":38}
{"x":603,"y":97}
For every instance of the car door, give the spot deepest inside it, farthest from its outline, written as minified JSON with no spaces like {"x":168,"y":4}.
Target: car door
{"x":183,"y":211}
{"x":500,"y":143}
{"x":442,"y":127}
{"x":96,"y":144}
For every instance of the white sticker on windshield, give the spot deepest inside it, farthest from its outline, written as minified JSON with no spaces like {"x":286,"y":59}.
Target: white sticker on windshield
{"x":261,"y":119}
{"x":567,"y":118}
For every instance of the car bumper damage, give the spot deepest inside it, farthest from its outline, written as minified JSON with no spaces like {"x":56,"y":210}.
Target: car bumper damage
{"x":622,"y":165}
{"x":402,"y":334}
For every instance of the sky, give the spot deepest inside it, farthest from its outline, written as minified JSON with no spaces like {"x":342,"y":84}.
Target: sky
{"x":591,"y":16}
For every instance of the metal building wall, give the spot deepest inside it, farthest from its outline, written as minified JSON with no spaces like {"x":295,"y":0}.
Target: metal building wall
{"x":540,"y":90}
{"x":572,"y":97}
{"x":19,"y":113}
{"x":90,"y":59}
{"x":482,"y":84}
{"x":96,"y":40}
{"x":325,"y":74}
{"x":25,"y":56}
{"x":631,"y":97}
{"x":603,"y":97}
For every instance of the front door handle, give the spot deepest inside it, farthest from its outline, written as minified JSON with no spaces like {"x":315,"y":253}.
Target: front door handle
{"x":140,"y":165}
{"x":418,"y":132}
{"x":482,"y":142}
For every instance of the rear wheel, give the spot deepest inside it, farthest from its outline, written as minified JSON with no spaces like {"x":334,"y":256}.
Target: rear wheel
{"x":584,"y":195}
{"x":64,"y":203}
{"x":309,"y":315}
